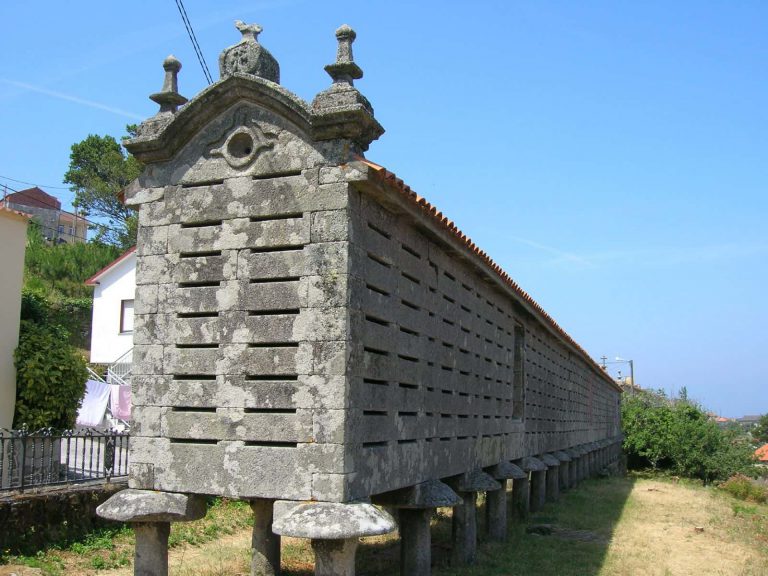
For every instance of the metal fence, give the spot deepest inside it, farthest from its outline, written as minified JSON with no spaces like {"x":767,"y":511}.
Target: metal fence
{"x":48,"y":457}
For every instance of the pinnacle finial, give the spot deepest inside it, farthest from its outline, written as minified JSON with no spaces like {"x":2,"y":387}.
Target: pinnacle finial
{"x":169,"y":97}
{"x":344,"y":70}
{"x":250,"y":32}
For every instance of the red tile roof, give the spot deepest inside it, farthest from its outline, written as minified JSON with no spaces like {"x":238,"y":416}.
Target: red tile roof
{"x":388,"y":178}
{"x":14,"y":214}
{"x":762,"y":453}
{"x":34,"y":197}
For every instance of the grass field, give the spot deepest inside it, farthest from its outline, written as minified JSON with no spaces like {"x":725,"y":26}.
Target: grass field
{"x":610,"y":527}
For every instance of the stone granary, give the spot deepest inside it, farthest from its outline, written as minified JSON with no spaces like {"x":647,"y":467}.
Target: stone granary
{"x":312,"y":336}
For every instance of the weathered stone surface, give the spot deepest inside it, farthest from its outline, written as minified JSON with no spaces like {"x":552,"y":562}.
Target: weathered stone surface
{"x":151,"y":506}
{"x":248,"y":56}
{"x":506,"y":470}
{"x":475,"y":481}
{"x":549,"y":460}
{"x":329,"y":521}
{"x":430,"y":494}
{"x":531,"y":464}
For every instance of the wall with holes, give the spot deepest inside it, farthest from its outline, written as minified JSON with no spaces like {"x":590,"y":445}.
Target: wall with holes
{"x":302,"y":334}
{"x":449,"y":373}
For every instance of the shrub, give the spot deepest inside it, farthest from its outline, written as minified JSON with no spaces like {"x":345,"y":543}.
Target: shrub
{"x":50,"y":377}
{"x":743,"y":488}
{"x":679,"y":436}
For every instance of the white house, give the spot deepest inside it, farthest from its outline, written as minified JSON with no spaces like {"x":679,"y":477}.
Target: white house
{"x":13,"y":235}
{"x":112,"y":324}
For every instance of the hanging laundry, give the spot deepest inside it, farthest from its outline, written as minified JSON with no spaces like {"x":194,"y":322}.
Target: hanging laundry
{"x":120,"y":402}
{"x":94,"y":405}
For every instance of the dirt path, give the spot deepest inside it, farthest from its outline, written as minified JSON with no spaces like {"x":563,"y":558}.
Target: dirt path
{"x":666,"y":529}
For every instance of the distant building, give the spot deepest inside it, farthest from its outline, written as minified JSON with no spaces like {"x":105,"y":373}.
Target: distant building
{"x":13,"y":235}
{"x":112,"y":325}
{"x":56,"y":224}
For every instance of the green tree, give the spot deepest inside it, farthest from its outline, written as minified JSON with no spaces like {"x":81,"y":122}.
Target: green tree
{"x":99,"y":169}
{"x":50,"y":377}
{"x":760,"y":432}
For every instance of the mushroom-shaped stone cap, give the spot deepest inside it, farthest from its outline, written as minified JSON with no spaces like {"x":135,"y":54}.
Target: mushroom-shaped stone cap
{"x":151,"y":506}
{"x":429,"y":494}
{"x":506,"y":471}
{"x":333,"y":521}
{"x":562,"y":456}
{"x":475,"y":481}
{"x":550,"y":460}
{"x":531,"y":464}
{"x":573,"y":453}
{"x":171,"y":64}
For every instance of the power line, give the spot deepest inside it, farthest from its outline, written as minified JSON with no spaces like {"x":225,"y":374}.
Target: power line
{"x":33,"y":183}
{"x":193,"y":39}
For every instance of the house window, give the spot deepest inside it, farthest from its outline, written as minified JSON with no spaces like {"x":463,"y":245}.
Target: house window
{"x":126,"y":316}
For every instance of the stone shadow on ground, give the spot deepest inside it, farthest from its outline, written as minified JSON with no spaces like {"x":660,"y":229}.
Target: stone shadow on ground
{"x":567,"y":538}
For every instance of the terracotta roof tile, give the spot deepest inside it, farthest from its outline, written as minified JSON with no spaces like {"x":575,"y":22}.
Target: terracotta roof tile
{"x":397,"y":184}
{"x":762,"y":453}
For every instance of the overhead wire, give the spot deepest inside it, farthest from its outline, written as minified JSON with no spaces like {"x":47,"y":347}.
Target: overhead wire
{"x":33,"y":183}
{"x":193,"y":39}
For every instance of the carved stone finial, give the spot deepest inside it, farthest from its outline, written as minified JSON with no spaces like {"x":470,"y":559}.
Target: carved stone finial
{"x":169,"y":98}
{"x":344,"y":70}
{"x":248,"y":56}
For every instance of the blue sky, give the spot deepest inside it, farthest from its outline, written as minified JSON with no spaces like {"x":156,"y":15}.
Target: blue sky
{"x":611,"y":156}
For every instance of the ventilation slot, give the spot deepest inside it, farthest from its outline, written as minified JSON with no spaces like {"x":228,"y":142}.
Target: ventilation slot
{"x":195,"y":409}
{"x":201,"y":224}
{"x":373,"y":288}
{"x":407,"y":414}
{"x":268,"y":444}
{"x":203,"y":183}
{"x":375,"y":382}
{"x":375,"y":320}
{"x":192,"y":377}
{"x":408,"y":358}
{"x":376,"y":351}
{"x":410,"y":305}
{"x":193,"y":441}
{"x":379,"y":260}
{"x":286,"y":248}
{"x":208,"y":284}
{"x":272,"y":377}
{"x":379,"y":231}
{"x":280,"y":312}
{"x":197,"y":315}
{"x":196,"y":346}
{"x":408,"y":331}
{"x":273,"y":345}
{"x":206,"y":254}
{"x":374,"y":444}
{"x":449,"y":276}
{"x":411,"y":278}
{"x":410,"y":251}
{"x":408,"y":386}
{"x":374,"y":413}
{"x":275,"y":280}
{"x":290,"y":216}
{"x":284,"y":174}
{"x":413,"y":441}
{"x":269,"y":411}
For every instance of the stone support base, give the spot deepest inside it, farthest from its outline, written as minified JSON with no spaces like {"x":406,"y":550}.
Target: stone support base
{"x":496,"y":513}
{"x":335,"y":557}
{"x":265,"y":544}
{"x":521,"y":498}
{"x":415,"y":542}
{"x":538,"y":490}
{"x":465,"y":530}
{"x":151,"y":551}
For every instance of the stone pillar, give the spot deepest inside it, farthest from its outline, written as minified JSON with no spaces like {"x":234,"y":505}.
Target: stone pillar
{"x":334,"y":529}
{"x":573,"y":467}
{"x":553,"y":477}
{"x":521,"y":497}
{"x":496,"y":501}
{"x":538,"y":471}
{"x":565,"y":470}
{"x":415,"y":505}
{"x":335,"y":557}
{"x":464,"y":530}
{"x":265,"y":544}
{"x":151,"y":514}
